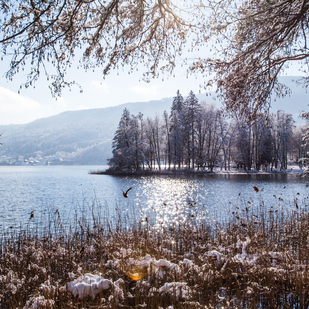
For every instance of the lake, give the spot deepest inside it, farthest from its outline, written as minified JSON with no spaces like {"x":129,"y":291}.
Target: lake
{"x":76,"y":195}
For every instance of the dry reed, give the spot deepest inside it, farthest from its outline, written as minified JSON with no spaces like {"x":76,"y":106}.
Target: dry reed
{"x":253,"y":261}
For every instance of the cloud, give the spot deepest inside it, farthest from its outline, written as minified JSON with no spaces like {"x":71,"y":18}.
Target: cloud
{"x":17,"y":109}
{"x":101,"y":86}
{"x":61,"y":103}
{"x":12,"y":103}
{"x":145,"y":90}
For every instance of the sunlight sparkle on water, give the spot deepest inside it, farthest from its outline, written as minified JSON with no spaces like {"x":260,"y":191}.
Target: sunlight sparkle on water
{"x":170,"y":201}
{"x":161,"y":201}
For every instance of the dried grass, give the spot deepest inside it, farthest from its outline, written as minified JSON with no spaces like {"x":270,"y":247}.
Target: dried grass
{"x":250,"y":262}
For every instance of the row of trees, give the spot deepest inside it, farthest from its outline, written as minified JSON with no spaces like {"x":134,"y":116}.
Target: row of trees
{"x":199,"y":136}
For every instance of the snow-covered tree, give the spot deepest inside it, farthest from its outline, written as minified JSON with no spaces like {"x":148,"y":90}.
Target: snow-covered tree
{"x":192,"y":109}
{"x":199,"y":136}
{"x":262,"y":142}
{"x":167,"y":132}
{"x":227,"y":142}
{"x":283,"y":124}
{"x":298,"y":148}
{"x":216,"y":136}
{"x":45,"y":37}
{"x":176,"y":127}
{"x":127,"y":145}
{"x":210,"y":136}
{"x":154,"y":138}
{"x":121,"y":144}
{"x":242,"y":154}
{"x":253,"y":41}
{"x":137,"y":145}
{"x":256,"y":40}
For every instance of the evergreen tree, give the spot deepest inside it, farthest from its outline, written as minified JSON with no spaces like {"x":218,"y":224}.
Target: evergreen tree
{"x":192,"y":109}
{"x":176,"y":130}
{"x":122,"y":145}
{"x":242,"y":155}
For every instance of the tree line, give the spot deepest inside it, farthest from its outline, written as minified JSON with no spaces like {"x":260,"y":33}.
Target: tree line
{"x":199,"y":136}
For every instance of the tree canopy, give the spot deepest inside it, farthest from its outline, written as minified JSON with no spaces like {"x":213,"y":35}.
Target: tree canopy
{"x":258,"y":39}
{"x":105,"y":34}
{"x":253,"y":41}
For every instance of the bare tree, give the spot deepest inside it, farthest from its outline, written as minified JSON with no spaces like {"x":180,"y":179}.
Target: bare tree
{"x":44,"y":37}
{"x":255,"y":41}
{"x":154,"y":136}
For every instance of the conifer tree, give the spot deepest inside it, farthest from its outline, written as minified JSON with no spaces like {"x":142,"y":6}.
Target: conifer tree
{"x":176,"y":134}
{"x":191,"y":110}
{"x":121,"y":144}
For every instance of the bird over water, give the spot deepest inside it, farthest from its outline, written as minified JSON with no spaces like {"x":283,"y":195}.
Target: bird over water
{"x":125,"y":193}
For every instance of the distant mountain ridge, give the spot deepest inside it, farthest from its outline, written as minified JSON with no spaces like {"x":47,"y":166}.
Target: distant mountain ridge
{"x":84,"y":136}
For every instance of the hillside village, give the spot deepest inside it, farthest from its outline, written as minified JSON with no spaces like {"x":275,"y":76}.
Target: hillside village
{"x":38,"y":160}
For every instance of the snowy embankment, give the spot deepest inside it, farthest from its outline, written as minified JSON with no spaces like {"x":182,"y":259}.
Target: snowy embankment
{"x":292,"y":168}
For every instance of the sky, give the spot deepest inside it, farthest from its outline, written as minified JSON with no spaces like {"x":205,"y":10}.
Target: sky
{"x":35,"y":103}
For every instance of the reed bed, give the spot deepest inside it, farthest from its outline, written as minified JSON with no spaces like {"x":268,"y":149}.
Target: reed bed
{"x":253,"y":261}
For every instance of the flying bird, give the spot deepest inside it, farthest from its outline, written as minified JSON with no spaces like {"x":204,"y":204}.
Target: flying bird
{"x":125,"y":193}
{"x":192,"y":204}
{"x":256,"y":189}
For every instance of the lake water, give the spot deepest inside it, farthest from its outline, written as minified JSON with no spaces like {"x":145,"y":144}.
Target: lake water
{"x":74,"y":193}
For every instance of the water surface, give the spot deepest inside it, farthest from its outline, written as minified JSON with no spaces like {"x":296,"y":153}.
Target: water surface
{"x":72,"y":192}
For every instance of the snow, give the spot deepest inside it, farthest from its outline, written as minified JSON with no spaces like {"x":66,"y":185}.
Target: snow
{"x":88,"y":285}
{"x":39,"y":303}
{"x":219,"y":256}
{"x":187,"y":263}
{"x":147,"y":261}
{"x":126,"y":252}
{"x":91,"y":285}
{"x":176,"y":289}
{"x":171,"y":286}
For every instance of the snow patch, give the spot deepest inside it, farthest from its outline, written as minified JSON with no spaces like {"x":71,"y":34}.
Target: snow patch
{"x":39,"y":303}
{"x":88,"y":285}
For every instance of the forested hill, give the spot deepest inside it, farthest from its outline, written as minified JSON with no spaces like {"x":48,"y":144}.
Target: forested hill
{"x":84,"y":137}
{"x":81,"y":136}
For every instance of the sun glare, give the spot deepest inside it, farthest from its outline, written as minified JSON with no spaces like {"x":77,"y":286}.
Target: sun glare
{"x":135,"y":276}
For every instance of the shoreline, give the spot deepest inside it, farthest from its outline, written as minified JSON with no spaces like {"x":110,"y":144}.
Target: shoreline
{"x":295,"y":171}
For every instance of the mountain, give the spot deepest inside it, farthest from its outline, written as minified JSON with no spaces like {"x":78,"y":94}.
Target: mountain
{"x":84,"y":137}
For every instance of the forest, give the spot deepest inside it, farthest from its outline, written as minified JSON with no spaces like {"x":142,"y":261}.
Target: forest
{"x":199,"y":136}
